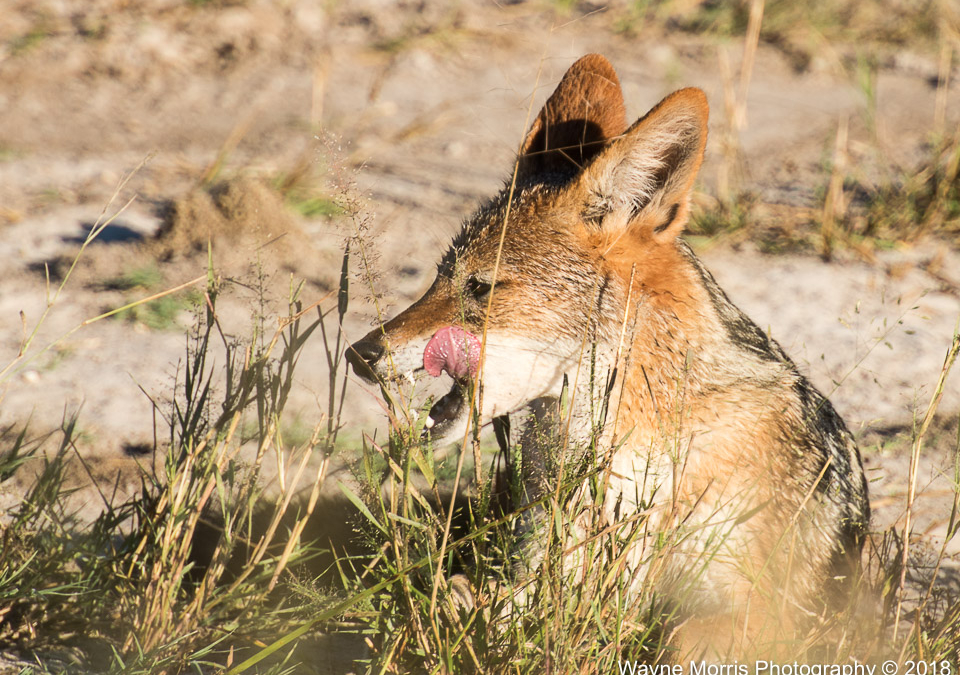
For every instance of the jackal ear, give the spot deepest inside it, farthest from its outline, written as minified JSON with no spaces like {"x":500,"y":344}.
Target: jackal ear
{"x":645,"y":178}
{"x":584,"y":112}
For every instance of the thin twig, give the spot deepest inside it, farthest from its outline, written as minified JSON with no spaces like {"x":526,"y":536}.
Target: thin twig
{"x":912,"y":487}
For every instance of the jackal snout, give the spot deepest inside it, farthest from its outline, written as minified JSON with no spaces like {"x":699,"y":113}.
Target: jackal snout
{"x":364,"y":355}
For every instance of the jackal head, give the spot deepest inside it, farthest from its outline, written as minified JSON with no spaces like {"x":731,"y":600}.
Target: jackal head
{"x":534,"y":289}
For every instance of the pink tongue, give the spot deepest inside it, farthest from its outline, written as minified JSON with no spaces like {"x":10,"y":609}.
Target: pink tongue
{"x":454,"y":350}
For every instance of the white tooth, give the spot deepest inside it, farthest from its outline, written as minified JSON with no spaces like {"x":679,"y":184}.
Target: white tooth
{"x":429,"y":423}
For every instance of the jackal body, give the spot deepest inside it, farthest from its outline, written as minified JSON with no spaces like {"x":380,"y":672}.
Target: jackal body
{"x":693,"y":414}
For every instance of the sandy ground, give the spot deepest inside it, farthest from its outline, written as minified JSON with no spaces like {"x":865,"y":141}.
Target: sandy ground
{"x":420,"y":107}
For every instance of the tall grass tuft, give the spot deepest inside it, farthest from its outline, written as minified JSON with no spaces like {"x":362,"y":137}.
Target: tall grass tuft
{"x":191,"y":568}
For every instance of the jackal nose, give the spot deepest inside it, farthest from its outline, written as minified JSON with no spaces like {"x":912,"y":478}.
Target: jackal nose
{"x":363,"y":355}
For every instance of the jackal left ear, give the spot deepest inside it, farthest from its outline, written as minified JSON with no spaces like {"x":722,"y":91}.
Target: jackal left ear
{"x":645,"y":177}
{"x":584,"y":112}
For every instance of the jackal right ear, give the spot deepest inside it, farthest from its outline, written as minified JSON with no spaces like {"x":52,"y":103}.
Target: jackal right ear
{"x":644,"y":178}
{"x":584,"y":112}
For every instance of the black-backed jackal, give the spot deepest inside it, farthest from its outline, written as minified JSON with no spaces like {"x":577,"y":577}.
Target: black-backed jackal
{"x":576,"y":276}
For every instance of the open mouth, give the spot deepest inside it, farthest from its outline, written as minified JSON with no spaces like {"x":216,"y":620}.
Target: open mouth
{"x":456,"y":352}
{"x":447,"y":410}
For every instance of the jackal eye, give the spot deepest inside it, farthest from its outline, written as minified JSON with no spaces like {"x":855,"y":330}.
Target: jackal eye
{"x":478,"y":289}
